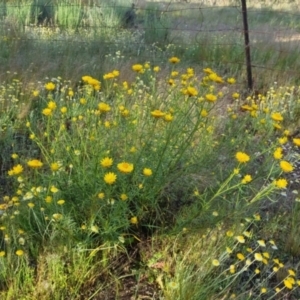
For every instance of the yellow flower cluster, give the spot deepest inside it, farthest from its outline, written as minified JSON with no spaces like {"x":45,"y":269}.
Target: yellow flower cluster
{"x":92,"y":82}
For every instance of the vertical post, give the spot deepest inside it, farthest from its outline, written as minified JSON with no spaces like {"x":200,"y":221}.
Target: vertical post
{"x":247,"y":45}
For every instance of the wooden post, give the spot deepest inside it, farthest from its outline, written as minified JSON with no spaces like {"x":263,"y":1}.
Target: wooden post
{"x":247,"y":45}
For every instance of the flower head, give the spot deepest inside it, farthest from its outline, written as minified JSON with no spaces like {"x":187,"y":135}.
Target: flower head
{"x":215,"y":262}
{"x":19,"y":252}
{"x":47,"y":111}
{"x":134,"y":220}
{"x":125,"y":167}
{"x":247,"y":179}
{"x":296,"y":142}
{"x":278,"y":153}
{"x":138,"y":68}
{"x":106,"y":162}
{"x":240,"y":239}
{"x":277,"y":117}
{"x":242,"y":157}
{"x":16,"y":170}
{"x":147,"y":172}
{"x":210,"y":97}
{"x":34,"y":163}
{"x":157,"y":113}
{"x":174,"y":60}
{"x":50,"y":86}
{"x":231,"y":80}
{"x":286,"y":166}
{"x":281,"y":183}
{"x":103,"y":107}
{"x":110,"y":178}
{"x":190,"y":91}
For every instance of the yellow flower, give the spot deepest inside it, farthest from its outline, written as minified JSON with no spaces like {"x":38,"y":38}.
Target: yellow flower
{"x":30,"y":205}
{"x":94,"y":229}
{"x":48,"y":199}
{"x":283,"y":140}
{"x":103,"y":107}
{"x":125,"y":113}
{"x":106,"y":162}
{"x":50,"y":86}
{"x":203,"y":113}
{"x":35,"y":93}
{"x":292,"y":273}
{"x":2,"y":253}
{"x":208,"y":71}
{"x":157,"y":113}
{"x":108,"y":76}
{"x":235,"y":95}
{"x":277,"y":117}
{"x":263,"y":290}
{"x":286,"y":166}
{"x":125,"y":167}
{"x":168,"y":118}
{"x":61,"y":202}
{"x":246,"y":107}
{"x":174,"y":60}
{"x":124,"y":197}
{"x":63,"y":109}
{"x":296,"y":142}
{"x":281,"y":183}
{"x":110,"y":178}
{"x":266,"y":254}
{"x":287,"y":283}
{"x":215,"y":77}
{"x":47,"y":112}
{"x":242,"y":157}
{"x":138,"y":68}
{"x":174,"y":73}
{"x":258,"y":256}
{"x":57,"y":216}
{"x":147,"y":172}
{"x":101,"y":195}
{"x":34,"y":163}
{"x":134,"y":220}
{"x":171,"y":82}
{"x":19,"y":252}
{"x":240,"y":239}
{"x":16,"y":170}
{"x":132,"y":149}
{"x":54,"y":166}
{"x":231,"y":80}
{"x":228,"y":250}
{"x":240,"y":256}
{"x":116,"y":73}
{"x":261,"y":243}
{"x":229,"y":233}
{"x":246,"y":179}
{"x":54,"y":189}
{"x":278,"y":153}
{"x":82,"y":101}
{"x":14,"y":156}
{"x":190,"y":91}
{"x":210,"y":97}
{"x":156,"y":69}
{"x":232,"y":269}
{"x":215,"y":262}
{"x":52,"y":105}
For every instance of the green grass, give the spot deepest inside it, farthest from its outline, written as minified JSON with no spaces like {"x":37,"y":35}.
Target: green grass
{"x":125,"y":172}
